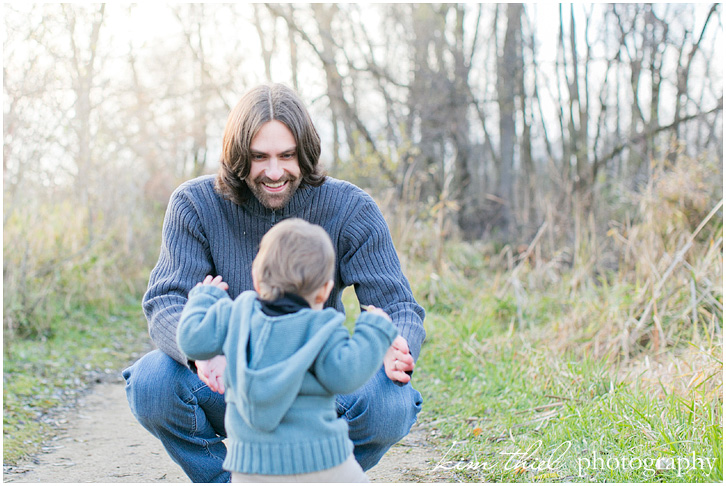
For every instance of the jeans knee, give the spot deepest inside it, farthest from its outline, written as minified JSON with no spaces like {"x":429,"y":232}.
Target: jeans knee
{"x":386,"y":414}
{"x":398,"y":416}
{"x":151,"y":383}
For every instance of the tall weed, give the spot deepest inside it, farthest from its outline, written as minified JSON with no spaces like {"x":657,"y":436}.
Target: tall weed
{"x":52,"y":264}
{"x":640,"y":272}
{"x":648,"y":281}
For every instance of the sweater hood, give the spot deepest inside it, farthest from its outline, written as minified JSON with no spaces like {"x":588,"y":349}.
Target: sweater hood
{"x":264,"y":393}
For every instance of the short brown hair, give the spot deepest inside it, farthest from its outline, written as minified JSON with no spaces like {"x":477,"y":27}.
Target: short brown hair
{"x":258,"y":106}
{"x":296,"y":257}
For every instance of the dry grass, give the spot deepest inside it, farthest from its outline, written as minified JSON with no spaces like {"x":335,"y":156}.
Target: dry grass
{"x":605,"y":335}
{"x":53,"y":262}
{"x":653,"y":281}
{"x":638,"y":282}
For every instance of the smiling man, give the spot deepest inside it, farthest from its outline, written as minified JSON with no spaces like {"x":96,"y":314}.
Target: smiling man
{"x":274,"y":172}
{"x":269,"y":171}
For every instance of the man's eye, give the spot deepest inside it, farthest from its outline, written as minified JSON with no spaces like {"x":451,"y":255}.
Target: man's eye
{"x":289,"y":156}
{"x":257,"y":156}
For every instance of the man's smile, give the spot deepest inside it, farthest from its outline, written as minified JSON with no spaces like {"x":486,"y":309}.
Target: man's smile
{"x":275,"y":186}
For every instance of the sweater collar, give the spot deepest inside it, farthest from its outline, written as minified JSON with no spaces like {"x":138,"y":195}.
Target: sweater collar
{"x":286,"y":304}
{"x":297,"y":202}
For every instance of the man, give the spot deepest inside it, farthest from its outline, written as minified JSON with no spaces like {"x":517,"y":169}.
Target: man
{"x":269,"y":171}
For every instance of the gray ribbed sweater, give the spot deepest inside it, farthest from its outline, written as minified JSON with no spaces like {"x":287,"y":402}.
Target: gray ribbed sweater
{"x":205,"y":234}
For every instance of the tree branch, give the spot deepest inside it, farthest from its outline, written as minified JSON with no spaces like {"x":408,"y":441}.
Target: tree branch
{"x":649,"y":133}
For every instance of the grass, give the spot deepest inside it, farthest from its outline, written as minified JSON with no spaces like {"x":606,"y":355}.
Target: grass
{"x":510,"y":399}
{"x":601,"y":367}
{"x":71,"y":305}
{"x":510,"y":410}
{"x":40,"y":375}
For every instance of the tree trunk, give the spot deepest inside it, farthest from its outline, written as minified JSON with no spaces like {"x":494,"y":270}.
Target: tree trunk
{"x":506,"y":98}
{"x":84,"y":72}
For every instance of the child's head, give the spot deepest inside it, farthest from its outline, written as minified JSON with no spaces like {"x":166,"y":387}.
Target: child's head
{"x":296,"y":257}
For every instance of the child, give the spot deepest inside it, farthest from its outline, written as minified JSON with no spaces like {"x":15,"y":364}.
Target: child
{"x":287,"y":358}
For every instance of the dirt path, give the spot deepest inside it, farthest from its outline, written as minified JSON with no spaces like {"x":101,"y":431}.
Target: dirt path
{"x":100,"y":441}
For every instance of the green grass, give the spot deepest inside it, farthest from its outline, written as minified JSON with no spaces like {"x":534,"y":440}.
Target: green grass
{"x":504,"y":407}
{"x":39,"y":375}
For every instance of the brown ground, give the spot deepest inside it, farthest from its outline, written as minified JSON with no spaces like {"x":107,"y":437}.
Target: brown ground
{"x":100,"y":441}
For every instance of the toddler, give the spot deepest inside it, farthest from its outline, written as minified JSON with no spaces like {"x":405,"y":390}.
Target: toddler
{"x":287,"y":359}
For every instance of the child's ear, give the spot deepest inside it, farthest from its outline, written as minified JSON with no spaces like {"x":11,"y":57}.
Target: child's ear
{"x":254,"y":282}
{"x":324,"y":292}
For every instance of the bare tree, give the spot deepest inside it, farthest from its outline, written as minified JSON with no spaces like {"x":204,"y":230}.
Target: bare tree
{"x":25,"y":86}
{"x":84,"y":70}
{"x":456,"y":100}
{"x":192,"y":18}
{"x":684,"y":65}
{"x":506,"y":96}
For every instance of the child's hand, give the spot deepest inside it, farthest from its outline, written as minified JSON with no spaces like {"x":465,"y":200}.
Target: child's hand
{"x":376,"y":311}
{"x":215,"y":281}
{"x":398,"y":361}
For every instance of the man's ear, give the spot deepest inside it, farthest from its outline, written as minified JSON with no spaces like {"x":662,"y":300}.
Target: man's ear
{"x":324,"y":292}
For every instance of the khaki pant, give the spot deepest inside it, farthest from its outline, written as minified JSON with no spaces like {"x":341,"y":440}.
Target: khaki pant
{"x":348,"y":471}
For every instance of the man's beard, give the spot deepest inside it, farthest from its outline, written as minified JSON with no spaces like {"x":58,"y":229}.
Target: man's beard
{"x":274,"y":200}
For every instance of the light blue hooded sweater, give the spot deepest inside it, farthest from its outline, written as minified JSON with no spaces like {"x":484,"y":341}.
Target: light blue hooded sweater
{"x":282,"y":376}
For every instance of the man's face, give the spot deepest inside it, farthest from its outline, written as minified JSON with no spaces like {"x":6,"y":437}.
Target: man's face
{"x":274,"y":170}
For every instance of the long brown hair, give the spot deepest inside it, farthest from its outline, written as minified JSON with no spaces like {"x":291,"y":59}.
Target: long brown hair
{"x":258,"y":106}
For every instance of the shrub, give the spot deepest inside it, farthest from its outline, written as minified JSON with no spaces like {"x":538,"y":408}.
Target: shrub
{"x":51,"y":262}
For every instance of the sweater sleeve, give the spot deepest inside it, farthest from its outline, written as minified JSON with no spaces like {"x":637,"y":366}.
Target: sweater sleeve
{"x":347,"y":362}
{"x":184,"y":260}
{"x":204,"y":322}
{"x":370,"y":263}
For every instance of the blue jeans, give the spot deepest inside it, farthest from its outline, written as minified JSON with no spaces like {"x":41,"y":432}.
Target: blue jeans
{"x":172,"y":403}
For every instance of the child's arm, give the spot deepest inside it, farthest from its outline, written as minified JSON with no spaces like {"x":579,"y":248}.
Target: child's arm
{"x":346,"y":362}
{"x":203,"y":324}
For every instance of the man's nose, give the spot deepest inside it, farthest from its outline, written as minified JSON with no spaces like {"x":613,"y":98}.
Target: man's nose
{"x":273,"y":170}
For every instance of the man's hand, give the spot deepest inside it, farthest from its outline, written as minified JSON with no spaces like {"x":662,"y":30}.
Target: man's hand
{"x":210,"y":372}
{"x":215,"y":281}
{"x":398,"y":361}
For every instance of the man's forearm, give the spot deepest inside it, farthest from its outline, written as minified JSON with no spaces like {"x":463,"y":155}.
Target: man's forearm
{"x":163,"y":317}
{"x":408,"y":317}
{"x":183,"y":261}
